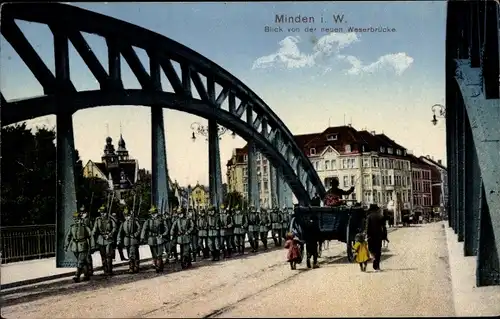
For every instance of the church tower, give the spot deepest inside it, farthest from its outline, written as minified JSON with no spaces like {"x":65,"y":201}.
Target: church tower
{"x":109,"y":157}
{"x":122,"y":151}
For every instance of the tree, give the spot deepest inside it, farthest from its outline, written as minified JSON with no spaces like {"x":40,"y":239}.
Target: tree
{"x":234,"y":199}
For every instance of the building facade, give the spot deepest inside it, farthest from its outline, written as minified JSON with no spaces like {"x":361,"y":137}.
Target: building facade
{"x":199,"y":197}
{"x":421,"y":186}
{"x":116,"y":167}
{"x":374,"y":164}
{"x":439,"y":179}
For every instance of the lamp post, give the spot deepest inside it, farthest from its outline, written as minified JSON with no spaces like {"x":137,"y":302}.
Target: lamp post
{"x":441,"y":113}
{"x":202,"y":130}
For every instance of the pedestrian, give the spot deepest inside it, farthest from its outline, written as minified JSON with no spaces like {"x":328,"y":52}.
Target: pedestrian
{"x":361,"y":252}
{"x":293,"y":255}
{"x":375,"y":228}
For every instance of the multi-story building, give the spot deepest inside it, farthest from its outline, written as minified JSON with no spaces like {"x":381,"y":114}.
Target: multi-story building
{"x":374,"y":164}
{"x":421,"y":186}
{"x":199,"y":197}
{"x":439,"y":177}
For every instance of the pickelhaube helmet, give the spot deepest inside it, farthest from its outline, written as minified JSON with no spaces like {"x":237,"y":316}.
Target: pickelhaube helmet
{"x":125,"y":211}
{"x":82,"y":208}
{"x":101,"y":209}
{"x":76,"y":215}
{"x":153,"y":210}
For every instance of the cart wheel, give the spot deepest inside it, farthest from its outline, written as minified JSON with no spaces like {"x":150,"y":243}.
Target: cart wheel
{"x":350,"y":254}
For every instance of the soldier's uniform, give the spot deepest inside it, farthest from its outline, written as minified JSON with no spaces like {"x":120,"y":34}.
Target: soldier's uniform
{"x":232,"y":238}
{"x":167,"y":218}
{"x":155,"y":230}
{"x":253,"y":228}
{"x":192,"y":215}
{"x":183,"y":228}
{"x":285,"y":222}
{"x":265,"y":225}
{"x":87,"y":222}
{"x":104,"y":232}
{"x":173,"y":240}
{"x":240,"y":229}
{"x":79,"y":240}
{"x":202,"y":226}
{"x":213,"y":233}
{"x":118,"y":247}
{"x":276,"y":225}
{"x":226,"y":231}
{"x":129,"y":235}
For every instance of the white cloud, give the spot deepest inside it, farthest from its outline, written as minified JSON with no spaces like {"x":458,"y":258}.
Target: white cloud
{"x":399,"y":62}
{"x":289,"y":55}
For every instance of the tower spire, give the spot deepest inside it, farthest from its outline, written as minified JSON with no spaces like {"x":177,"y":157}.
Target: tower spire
{"x":120,"y":128}
{"x":107,"y":128}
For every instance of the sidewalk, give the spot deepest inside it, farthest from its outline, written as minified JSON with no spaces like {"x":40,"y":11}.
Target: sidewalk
{"x":39,"y":270}
{"x":469,"y":300}
{"x":33,"y":271}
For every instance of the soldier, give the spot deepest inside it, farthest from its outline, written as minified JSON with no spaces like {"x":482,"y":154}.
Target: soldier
{"x":240,"y":229}
{"x":226,"y":231}
{"x":167,"y":219}
{"x":276,"y":225}
{"x":253,"y":228}
{"x":202,"y":226}
{"x":155,"y":230}
{"x":285,"y":222}
{"x":231,"y":237}
{"x":130,"y":232}
{"x":213,"y":233}
{"x":173,"y":242}
{"x":79,"y":239}
{"x":265,"y":225}
{"x":104,"y":230}
{"x":183,"y":228}
{"x":87,"y":222}
{"x":118,"y":222}
{"x":192,"y":215}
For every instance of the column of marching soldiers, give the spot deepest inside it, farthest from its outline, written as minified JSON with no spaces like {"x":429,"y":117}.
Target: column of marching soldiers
{"x":198,"y":232}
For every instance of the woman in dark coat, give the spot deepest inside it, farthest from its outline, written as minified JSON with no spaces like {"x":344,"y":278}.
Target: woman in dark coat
{"x":375,"y":231}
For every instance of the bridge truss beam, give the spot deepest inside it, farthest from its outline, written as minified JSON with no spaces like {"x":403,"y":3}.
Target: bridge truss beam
{"x":245,"y":113}
{"x":473,"y":132}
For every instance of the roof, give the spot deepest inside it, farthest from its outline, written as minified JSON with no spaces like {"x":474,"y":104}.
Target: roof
{"x":345,"y":135}
{"x":418,"y":162}
{"x":127,"y":167}
{"x":424,"y":158}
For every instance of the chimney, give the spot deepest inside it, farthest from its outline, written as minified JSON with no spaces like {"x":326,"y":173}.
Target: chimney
{"x":372,"y":132}
{"x":428,"y":156}
{"x":440,"y":162}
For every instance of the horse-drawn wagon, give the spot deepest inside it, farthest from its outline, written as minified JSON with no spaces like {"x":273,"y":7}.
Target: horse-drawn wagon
{"x":340,"y":223}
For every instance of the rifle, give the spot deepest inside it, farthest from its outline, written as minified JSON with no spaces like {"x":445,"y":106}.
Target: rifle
{"x":112,"y":198}
{"x":161,"y":206}
{"x":91,"y":201}
{"x":133,"y":206}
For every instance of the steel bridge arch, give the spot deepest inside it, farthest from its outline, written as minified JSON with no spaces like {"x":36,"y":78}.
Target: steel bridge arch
{"x":66,"y":22}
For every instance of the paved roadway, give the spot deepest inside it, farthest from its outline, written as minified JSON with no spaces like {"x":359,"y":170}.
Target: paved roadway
{"x":415,"y":281}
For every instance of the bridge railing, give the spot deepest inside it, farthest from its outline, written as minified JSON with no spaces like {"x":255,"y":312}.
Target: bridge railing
{"x":19,"y":243}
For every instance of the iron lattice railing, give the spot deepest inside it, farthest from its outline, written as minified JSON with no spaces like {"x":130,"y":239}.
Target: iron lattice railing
{"x":20,"y":243}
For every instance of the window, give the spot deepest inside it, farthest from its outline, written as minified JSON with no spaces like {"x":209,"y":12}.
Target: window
{"x":266,"y":186}
{"x":353,"y":163}
{"x":382,"y":149}
{"x":391,"y":164}
{"x":245,"y":188}
{"x":366,"y":162}
{"x":398,"y":152}
{"x":404,"y":153}
{"x":346,"y":181}
{"x":389,"y":150}
{"x":333,"y":164}
{"x":331,"y":137}
{"x":316,"y":165}
{"x":367,"y":197}
{"x":390,"y":179}
{"x":353,"y":180}
{"x":348,"y":148}
{"x":245,"y":158}
{"x":366,"y":180}
{"x":353,"y":196}
{"x":363,"y":148}
{"x":245,"y":172}
{"x":258,"y":156}
{"x":375,"y":162}
{"x":312,"y":151}
{"x":327,"y":165}
{"x":344,"y":163}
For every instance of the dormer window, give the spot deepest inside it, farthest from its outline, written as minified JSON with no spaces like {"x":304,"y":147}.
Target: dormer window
{"x":389,"y":150}
{"x":245,"y":158}
{"x":348,"y":148}
{"x":398,"y":151}
{"x":382,"y":149}
{"x":331,"y":137}
{"x":404,"y":152}
{"x":362,"y":148}
{"x":312,"y":151}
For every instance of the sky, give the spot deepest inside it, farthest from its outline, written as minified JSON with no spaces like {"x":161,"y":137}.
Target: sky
{"x":312,"y":74}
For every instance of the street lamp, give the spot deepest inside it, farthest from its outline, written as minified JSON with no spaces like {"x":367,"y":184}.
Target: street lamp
{"x":202,"y":130}
{"x":441,"y":113}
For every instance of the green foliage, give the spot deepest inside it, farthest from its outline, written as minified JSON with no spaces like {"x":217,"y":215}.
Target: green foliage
{"x":28,"y":176}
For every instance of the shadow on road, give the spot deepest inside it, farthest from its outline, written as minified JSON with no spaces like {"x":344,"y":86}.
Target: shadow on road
{"x":120,"y":277}
{"x":345,"y":260}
